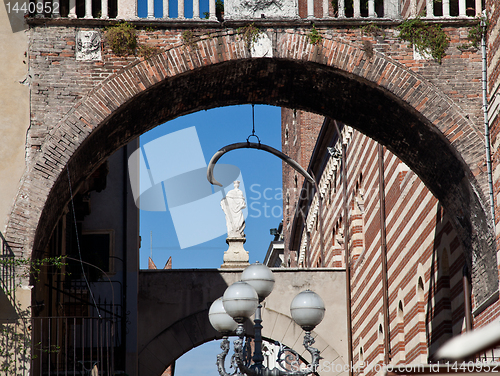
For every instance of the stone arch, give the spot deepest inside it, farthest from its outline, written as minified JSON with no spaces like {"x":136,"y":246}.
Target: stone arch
{"x":334,"y":78}
{"x":194,"y":330}
{"x":174,"y":341}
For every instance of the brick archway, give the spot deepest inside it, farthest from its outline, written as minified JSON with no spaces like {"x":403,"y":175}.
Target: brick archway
{"x":335,"y":78}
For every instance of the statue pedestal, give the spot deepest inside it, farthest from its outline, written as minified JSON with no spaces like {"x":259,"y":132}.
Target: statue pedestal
{"x":235,"y":256}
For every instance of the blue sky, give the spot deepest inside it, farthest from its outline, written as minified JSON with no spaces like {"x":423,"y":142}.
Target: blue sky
{"x":262,"y":177}
{"x":142,"y":8}
{"x":261,"y":173}
{"x":217,"y":128}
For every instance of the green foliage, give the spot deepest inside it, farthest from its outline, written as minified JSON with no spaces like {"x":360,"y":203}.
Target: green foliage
{"x":425,"y":37}
{"x":15,"y":346}
{"x":372,"y":29}
{"x":250,"y":34}
{"x":314,"y":36}
{"x":32,"y":266}
{"x":219,"y":6}
{"x":189,"y":39}
{"x":146,"y":51}
{"x":122,"y":39}
{"x":474,"y":36}
{"x":52,"y":349}
{"x":219,"y":9}
{"x":16,"y":349}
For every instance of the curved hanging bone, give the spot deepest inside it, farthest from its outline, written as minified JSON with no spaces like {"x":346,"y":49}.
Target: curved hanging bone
{"x":253,"y":145}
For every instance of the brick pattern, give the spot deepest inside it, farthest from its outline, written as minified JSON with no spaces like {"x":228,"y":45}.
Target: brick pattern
{"x":102,"y":105}
{"x":493,"y":56}
{"x":421,"y":243}
{"x":299,"y":134}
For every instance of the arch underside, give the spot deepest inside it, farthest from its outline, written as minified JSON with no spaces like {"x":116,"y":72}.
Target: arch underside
{"x":312,"y":87}
{"x":195,"y":330}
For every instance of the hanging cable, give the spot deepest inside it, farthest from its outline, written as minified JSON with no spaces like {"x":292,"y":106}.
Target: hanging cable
{"x":253,"y":119}
{"x":103,"y":273}
{"x":78,"y":246}
{"x":253,"y":126}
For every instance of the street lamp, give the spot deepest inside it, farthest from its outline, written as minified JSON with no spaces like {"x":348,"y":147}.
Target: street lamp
{"x":240,"y":301}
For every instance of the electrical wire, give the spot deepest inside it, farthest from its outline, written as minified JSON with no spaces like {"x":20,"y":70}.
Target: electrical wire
{"x":78,"y":247}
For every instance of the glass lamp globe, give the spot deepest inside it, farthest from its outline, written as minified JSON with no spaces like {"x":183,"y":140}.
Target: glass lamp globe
{"x":219,"y":319}
{"x":307,"y":310}
{"x":240,"y":301}
{"x":260,"y":277}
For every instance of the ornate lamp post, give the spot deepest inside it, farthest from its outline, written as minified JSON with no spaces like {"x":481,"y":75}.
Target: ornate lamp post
{"x":240,"y":301}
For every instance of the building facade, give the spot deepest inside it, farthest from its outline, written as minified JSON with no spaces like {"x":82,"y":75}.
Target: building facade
{"x":425,"y":268}
{"x":84,"y":311}
{"x":411,"y":252}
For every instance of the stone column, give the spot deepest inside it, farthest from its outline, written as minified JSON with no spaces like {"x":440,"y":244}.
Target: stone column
{"x":430,"y":8}
{"x":72,"y":9}
{"x":357,"y":9}
{"x":371,"y":9}
{"x":341,"y":9}
{"x":461,"y":8}
{"x":326,"y":13}
{"x":446,"y":8}
{"x":211,"y":6}
{"x":310,"y":8}
{"x":196,"y":9}
{"x":165,"y":8}
{"x":104,"y":9}
{"x":180,"y":7}
{"x":479,"y":8}
{"x":151,"y":9}
{"x":88,"y":9}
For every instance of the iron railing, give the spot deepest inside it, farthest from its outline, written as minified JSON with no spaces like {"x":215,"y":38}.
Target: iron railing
{"x":7,"y":271}
{"x":73,"y":346}
{"x":489,"y":356}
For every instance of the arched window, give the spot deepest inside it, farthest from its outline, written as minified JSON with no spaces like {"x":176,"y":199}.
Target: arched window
{"x":420,"y":289}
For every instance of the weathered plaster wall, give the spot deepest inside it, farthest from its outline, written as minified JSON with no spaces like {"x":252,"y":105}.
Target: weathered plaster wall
{"x":14,"y":108}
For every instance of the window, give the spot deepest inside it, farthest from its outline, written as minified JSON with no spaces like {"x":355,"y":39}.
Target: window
{"x":97,"y":249}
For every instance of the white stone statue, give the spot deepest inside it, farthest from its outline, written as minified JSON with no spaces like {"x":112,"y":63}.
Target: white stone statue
{"x":233,"y":205}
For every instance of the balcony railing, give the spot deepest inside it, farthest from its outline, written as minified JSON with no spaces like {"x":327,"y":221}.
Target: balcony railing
{"x":205,"y":10}
{"x":73,"y":346}
{"x":7,"y":271}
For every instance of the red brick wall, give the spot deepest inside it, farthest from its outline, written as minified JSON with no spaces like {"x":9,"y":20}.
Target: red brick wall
{"x":299,"y":134}
{"x":493,"y":58}
{"x":421,"y":243}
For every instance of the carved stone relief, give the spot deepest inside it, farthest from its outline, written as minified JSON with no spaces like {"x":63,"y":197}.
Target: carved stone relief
{"x":88,"y":45}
